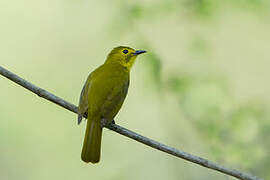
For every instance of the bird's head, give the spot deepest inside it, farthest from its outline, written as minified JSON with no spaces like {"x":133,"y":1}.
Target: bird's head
{"x":123,"y":55}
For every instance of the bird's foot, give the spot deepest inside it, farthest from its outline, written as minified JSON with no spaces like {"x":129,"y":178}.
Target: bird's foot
{"x":105,"y":122}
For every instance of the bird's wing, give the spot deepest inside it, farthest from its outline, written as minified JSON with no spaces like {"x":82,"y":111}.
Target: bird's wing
{"x":83,"y":103}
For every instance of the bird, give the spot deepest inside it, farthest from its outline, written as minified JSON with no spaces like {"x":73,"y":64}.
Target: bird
{"x":102,"y":96}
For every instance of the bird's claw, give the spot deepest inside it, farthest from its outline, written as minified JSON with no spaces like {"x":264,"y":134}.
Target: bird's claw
{"x":105,"y":122}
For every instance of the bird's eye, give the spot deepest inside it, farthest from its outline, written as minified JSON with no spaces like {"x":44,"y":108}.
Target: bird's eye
{"x":125,"y":51}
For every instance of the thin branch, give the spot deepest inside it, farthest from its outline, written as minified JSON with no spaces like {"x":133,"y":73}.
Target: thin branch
{"x":147,"y":141}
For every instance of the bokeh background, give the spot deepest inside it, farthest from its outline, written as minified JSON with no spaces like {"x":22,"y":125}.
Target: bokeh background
{"x":203,"y":86}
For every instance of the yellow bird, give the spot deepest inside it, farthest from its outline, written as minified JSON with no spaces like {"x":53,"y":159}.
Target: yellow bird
{"x":102,"y":97}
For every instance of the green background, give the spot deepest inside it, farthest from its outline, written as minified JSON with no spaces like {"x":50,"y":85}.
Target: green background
{"x":203,"y":86}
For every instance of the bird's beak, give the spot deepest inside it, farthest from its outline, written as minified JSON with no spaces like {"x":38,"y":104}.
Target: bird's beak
{"x":139,"y":52}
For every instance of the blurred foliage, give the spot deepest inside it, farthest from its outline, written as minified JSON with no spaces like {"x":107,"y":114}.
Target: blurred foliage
{"x":153,"y":70}
{"x":203,"y":8}
{"x":223,"y":123}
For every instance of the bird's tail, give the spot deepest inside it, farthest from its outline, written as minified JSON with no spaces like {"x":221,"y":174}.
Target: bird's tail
{"x":92,"y":141}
